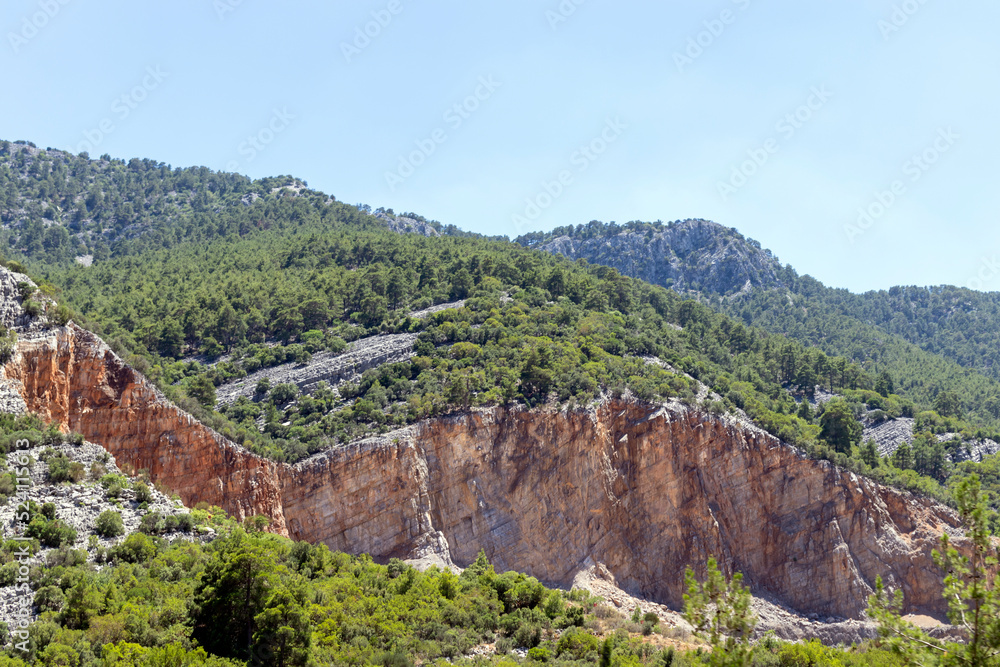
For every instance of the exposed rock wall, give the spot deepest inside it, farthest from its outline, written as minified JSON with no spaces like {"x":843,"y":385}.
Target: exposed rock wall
{"x":73,"y":378}
{"x":643,"y":489}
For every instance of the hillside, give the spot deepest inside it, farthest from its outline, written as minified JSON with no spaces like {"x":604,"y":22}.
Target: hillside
{"x":119,"y":571}
{"x":622,"y":483}
{"x":926,"y":337}
{"x":292,"y":323}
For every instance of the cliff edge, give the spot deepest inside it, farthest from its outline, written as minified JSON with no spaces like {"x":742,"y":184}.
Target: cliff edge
{"x":643,"y":489}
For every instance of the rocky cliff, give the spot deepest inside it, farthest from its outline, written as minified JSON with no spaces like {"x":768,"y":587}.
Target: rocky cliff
{"x":642,"y":489}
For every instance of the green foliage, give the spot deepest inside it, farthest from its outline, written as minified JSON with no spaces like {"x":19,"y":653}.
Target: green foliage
{"x":8,"y":342}
{"x":970,"y":587}
{"x":62,"y":469}
{"x":50,"y":532}
{"x":109,"y":524}
{"x":143,"y":494}
{"x":839,"y":425}
{"x":719,"y":611}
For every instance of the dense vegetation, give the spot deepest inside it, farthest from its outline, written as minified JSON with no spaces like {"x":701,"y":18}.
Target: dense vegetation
{"x":192,"y":262}
{"x":249,"y":597}
{"x":926,"y":337}
{"x":269,"y":274}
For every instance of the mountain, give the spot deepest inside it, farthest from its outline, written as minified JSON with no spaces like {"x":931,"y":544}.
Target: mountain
{"x":687,"y":255}
{"x":399,"y":389}
{"x":912,"y":332}
{"x":644,"y":503}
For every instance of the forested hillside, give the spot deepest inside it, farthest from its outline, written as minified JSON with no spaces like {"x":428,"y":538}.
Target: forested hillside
{"x":206,"y":278}
{"x":910,"y":331}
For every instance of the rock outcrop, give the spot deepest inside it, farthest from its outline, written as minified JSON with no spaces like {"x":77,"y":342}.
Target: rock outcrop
{"x":643,"y":489}
{"x":73,"y":378}
{"x":687,"y":255}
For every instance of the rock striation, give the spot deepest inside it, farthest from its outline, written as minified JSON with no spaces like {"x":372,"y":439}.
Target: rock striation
{"x":642,"y":489}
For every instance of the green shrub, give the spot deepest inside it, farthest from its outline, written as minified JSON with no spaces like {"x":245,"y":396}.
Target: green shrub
{"x":50,"y":533}
{"x":33,"y":308}
{"x":8,"y":573}
{"x":153,"y":524}
{"x":185,"y":522}
{"x":137,"y":548}
{"x":539,"y":654}
{"x":107,"y":481}
{"x":65,"y":557}
{"x":284,"y":393}
{"x":143,"y":494}
{"x":109,"y":524}
{"x":50,"y":598}
{"x":577,"y":644}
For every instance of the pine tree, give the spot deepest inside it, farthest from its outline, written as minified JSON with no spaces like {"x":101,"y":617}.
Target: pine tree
{"x":971,"y":587}
{"x":719,"y":611}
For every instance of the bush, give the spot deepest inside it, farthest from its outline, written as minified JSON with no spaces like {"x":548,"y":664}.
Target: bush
{"x":576,"y":644}
{"x":50,"y":533}
{"x":143,"y":494}
{"x":539,"y":654}
{"x":32,"y":308}
{"x":137,"y":548}
{"x":109,"y":524}
{"x":50,"y":598}
{"x":66,"y":557}
{"x":153,"y":524}
{"x":185,"y":522}
{"x":8,"y":573}
{"x":61,"y":469}
{"x":284,"y":393}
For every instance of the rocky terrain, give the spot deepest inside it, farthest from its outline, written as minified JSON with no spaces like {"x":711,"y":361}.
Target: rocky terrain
{"x":641,"y":489}
{"x":405,"y":225}
{"x":334,"y":369}
{"x":890,"y":434}
{"x":326,"y":367}
{"x":76,"y":504}
{"x":686,"y":255}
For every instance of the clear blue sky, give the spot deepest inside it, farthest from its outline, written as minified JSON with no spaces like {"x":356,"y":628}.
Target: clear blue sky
{"x":665,"y":120}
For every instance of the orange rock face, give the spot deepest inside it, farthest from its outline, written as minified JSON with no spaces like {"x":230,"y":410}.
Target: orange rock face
{"x":73,"y":378}
{"x":643,"y":489}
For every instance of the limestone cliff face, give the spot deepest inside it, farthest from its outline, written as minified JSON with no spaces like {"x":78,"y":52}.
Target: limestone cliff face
{"x":71,"y":377}
{"x":643,"y":489}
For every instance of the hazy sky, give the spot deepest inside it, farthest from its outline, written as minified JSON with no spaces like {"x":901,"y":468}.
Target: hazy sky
{"x":785,"y":119}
